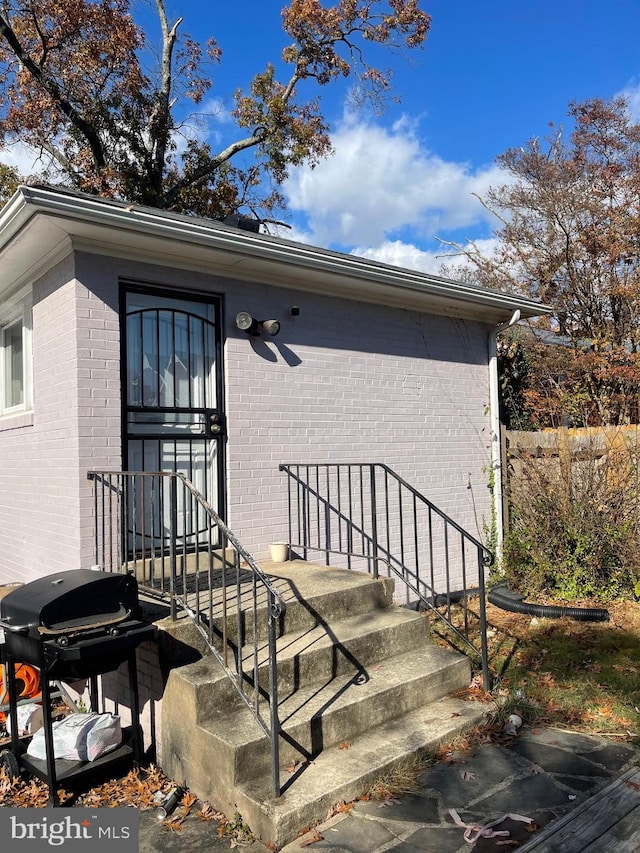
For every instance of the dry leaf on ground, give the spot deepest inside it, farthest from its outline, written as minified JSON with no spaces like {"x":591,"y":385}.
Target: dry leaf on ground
{"x":339,"y":808}
{"x":207,"y":812}
{"x":390,"y":801}
{"x":312,"y":838}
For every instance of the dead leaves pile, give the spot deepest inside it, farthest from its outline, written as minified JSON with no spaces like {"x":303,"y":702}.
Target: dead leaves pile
{"x":142,"y":788}
{"x":138,"y":788}
{"x":19,"y":793}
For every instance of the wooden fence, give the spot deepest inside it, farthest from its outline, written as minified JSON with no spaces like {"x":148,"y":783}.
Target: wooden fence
{"x":568,"y":451}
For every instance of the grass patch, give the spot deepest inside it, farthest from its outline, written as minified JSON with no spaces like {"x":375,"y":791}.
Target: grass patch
{"x":402,"y":779}
{"x":584,"y":676}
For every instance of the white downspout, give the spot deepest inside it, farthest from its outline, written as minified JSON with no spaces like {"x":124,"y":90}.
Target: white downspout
{"x":494,"y":416}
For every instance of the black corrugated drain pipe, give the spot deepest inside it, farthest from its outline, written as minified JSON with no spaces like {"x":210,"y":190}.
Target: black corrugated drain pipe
{"x":506,"y":599}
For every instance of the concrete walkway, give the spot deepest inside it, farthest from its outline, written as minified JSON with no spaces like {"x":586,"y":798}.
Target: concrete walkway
{"x":542,"y":774}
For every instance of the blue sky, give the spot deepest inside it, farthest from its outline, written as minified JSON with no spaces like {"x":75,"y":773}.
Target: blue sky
{"x":492,"y":74}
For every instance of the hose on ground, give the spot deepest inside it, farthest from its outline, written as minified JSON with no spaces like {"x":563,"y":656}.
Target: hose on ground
{"x":504,"y":598}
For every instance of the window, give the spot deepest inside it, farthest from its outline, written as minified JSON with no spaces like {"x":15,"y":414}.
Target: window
{"x":13,"y":366}
{"x":15,"y":359}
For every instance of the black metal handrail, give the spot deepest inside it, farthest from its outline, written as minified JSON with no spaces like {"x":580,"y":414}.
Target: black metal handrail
{"x":159,"y":526}
{"x":371,"y":517}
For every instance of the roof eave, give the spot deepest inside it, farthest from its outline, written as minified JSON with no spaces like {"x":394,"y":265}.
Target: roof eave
{"x":250,"y":255}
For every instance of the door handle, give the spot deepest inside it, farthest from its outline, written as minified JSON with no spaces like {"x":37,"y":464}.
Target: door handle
{"x":216,"y":424}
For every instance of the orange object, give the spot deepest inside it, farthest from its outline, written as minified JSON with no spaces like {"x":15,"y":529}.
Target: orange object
{"x":30,"y":678}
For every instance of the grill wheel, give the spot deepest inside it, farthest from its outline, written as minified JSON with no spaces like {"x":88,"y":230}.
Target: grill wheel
{"x":9,"y":763}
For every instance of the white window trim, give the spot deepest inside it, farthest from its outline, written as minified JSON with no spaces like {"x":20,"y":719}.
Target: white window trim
{"x":9,"y":315}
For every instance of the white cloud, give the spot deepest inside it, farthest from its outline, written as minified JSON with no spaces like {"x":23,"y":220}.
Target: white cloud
{"x":405,"y":255}
{"x":409,"y":256}
{"x":381,"y":180}
{"x":204,"y":125}
{"x":293,"y":232}
{"x":632,"y":93}
{"x":22,"y":157}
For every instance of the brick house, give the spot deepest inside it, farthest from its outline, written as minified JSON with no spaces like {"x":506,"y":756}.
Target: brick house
{"x":135,"y":340}
{"x":119,"y":337}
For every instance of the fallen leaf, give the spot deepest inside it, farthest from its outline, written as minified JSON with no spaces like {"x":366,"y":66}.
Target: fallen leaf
{"x":390,"y":801}
{"x":313,"y":837}
{"x":207,"y":812}
{"x":172,"y":825}
{"x":339,"y":808}
{"x":344,"y":745}
{"x":292,"y":766}
{"x":633,"y":785}
{"x":241,"y":841}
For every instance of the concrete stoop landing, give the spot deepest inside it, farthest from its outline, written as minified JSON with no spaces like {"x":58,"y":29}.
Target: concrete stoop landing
{"x":361,"y":689}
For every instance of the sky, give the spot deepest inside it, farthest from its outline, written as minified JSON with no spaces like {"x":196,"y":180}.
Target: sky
{"x":491,"y":75}
{"x":402,"y":185}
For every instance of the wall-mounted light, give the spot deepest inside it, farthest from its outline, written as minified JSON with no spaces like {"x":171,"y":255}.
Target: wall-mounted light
{"x":271,"y":327}
{"x":246,"y":323}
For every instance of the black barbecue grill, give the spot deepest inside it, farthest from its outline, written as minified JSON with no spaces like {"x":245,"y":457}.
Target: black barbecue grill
{"x":73,"y":625}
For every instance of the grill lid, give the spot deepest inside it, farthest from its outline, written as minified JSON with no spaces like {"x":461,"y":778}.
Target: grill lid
{"x":75,"y":600}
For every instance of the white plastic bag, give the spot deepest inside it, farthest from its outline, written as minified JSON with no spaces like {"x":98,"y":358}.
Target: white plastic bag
{"x":104,"y":736}
{"x":80,"y":737}
{"x":26,"y":714}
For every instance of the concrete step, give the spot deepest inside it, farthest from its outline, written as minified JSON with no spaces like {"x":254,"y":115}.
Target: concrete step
{"x":326,"y":713}
{"x":313,"y":595}
{"x":347,"y":647}
{"x":352,"y":668}
{"x":344,"y":774}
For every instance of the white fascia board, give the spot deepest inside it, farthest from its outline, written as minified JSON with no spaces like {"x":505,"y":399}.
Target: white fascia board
{"x":256,"y":256}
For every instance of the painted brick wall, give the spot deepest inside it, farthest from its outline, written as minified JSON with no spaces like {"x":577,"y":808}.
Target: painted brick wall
{"x":39,"y":497}
{"x":98,"y":383}
{"x":350,"y":382}
{"x":344,"y":381}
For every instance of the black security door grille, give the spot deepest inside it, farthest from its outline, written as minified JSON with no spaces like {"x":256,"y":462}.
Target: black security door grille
{"x":173,"y":414}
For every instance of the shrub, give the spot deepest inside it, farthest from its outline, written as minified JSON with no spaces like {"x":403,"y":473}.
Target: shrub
{"x":574,"y":529}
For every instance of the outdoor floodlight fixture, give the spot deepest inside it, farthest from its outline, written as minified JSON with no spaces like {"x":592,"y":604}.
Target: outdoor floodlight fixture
{"x":271,"y":327}
{"x":246,"y":323}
